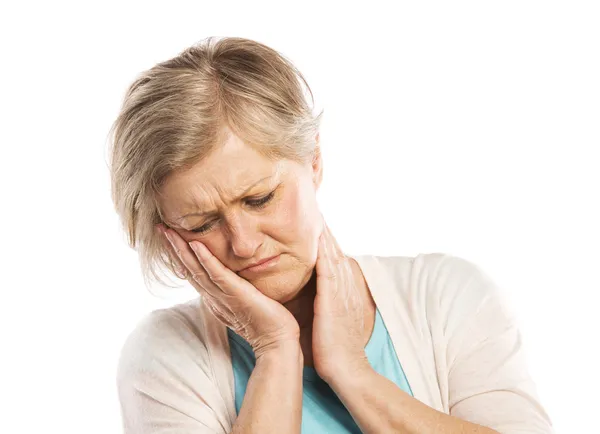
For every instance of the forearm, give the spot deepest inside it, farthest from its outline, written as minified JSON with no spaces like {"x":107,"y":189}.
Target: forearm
{"x":379,"y":406}
{"x":273,"y":399}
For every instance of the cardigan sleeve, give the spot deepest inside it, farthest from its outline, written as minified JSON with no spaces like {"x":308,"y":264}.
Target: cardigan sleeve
{"x":488,"y":382}
{"x":164,"y":380}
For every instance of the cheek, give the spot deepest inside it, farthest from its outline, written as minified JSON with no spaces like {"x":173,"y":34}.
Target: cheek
{"x":299,"y":215}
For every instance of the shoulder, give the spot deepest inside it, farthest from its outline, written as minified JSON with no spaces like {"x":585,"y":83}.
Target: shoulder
{"x":463,"y":286}
{"x":441,"y":273}
{"x":432,"y":265}
{"x":166,"y":375}
{"x":163,"y":338}
{"x":465,"y":307}
{"x":440,"y":283}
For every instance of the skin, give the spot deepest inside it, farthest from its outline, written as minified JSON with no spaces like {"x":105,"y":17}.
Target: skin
{"x":239,"y":234}
{"x":321,"y":287}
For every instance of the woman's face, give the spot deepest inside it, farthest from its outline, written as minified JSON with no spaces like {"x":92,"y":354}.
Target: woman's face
{"x":245,"y":208}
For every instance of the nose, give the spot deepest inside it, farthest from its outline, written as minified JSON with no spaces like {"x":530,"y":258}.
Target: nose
{"x":244,"y":236}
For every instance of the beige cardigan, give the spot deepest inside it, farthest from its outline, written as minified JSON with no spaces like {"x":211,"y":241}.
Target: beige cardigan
{"x":456,"y":340}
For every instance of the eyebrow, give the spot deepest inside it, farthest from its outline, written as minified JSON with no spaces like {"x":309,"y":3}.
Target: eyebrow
{"x":237,"y":198}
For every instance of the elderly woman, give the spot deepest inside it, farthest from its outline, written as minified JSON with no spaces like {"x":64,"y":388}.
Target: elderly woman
{"x":215,"y":166}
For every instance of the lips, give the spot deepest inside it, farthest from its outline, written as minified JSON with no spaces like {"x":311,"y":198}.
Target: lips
{"x":262,"y":261}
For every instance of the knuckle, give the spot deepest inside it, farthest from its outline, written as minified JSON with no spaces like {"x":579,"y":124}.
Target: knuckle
{"x":209,"y":274}
{"x":200,"y":289}
{"x":177,"y":250}
{"x":337,"y":260}
{"x":198,"y":276}
{"x":219,"y":279}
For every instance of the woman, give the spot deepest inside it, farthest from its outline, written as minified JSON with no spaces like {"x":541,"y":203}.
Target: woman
{"x":215,"y":168}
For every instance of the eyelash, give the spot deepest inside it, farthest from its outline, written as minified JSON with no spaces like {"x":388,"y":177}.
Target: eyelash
{"x":256,"y":204}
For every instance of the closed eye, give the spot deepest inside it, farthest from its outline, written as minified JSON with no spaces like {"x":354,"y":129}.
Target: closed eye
{"x":259,"y":203}
{"x":256,"y":204}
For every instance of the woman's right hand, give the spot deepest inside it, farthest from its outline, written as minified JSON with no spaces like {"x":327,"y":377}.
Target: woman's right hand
{"x":263,"y":322}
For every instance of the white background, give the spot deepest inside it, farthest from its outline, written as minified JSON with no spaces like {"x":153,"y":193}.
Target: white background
{"x":469,"y":128}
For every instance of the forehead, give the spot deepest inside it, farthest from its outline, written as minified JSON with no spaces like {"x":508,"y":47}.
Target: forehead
{"x":223,"y":175}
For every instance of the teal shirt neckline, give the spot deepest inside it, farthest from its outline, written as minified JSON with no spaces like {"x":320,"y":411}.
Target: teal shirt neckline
{"x":374,"y":347}
{"x":322,"y":410}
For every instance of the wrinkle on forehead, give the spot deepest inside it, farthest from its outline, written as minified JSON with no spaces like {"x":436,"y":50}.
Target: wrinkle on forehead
{"x":189,"y":200}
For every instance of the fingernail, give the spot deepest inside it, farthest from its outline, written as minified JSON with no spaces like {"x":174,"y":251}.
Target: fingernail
{"x":180,"y":272}
{"x":196,"y":248}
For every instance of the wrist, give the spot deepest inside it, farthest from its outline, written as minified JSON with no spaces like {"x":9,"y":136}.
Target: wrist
{"x":287,"y":350}
{"x":349,"y":375}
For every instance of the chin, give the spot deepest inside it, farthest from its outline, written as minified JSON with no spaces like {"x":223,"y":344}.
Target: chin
{"x":280,"y":286}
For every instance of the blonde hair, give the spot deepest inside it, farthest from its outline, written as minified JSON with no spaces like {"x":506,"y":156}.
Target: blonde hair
{"x":174,"y":114}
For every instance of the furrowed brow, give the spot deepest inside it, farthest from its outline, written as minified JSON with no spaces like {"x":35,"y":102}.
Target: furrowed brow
{"x":203,"y":213}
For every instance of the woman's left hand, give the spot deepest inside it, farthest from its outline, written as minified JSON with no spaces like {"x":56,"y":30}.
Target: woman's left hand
{"x":338,"y":324}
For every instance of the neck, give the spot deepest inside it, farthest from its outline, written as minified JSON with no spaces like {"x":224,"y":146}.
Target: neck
{"x":302,"y":306}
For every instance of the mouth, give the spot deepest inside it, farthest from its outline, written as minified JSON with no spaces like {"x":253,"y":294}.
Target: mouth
{"x":265,"y":264}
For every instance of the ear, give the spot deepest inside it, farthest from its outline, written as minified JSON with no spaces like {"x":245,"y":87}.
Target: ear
{"x":317,"y":165}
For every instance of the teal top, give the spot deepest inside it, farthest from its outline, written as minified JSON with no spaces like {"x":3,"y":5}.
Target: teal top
{"x":322,"y":411}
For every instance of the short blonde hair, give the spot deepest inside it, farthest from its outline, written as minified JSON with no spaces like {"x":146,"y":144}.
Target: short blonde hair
{"x":174,"y":114}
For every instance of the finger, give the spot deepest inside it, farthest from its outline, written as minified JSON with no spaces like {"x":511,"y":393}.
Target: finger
{"x":325,"y":267}
{"x":339,"y":267}
{"x":196,"y":274}
{"x":214,"y":309}
{"x":181,"y":270}
{"x":340,"y":282}
{"x":333,"y":254}
{"x":221,"y":276}
{"x":335,"y":247}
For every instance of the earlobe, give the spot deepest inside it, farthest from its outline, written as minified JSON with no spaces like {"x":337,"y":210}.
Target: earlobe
{"x":317,"y":173}
{"x":317,"y":166}
{"x":317,"y":180}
